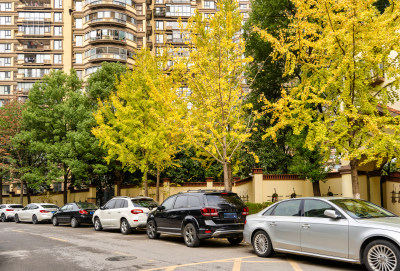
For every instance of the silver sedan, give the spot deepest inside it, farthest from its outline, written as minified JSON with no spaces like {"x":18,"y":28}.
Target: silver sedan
{"x":342,"y":229}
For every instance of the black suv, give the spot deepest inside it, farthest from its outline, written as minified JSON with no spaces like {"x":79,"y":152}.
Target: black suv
{"x":199,"y":215}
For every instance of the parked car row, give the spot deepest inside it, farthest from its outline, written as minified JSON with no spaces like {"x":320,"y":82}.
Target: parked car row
{"x":343,"y":229}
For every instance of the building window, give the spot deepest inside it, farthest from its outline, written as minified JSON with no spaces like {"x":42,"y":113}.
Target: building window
{"x":78,"y":5}
{"x":159,"y":25}
{"x":58,"y":31}
{"x":209,"y":4}
{"x":5,"y":34}
{"x":24,"y":86}
{"x":159,"y":1}
{"x":78,"y":23}
{"x":178,"y":10}
{"x":5,"y":20}
{"x":5,"y":47}
{"x":57,"y":17}
{"x":78,"y":40}
{"x":57,"y":59}
{"x":159,"y":38}
{"x":5,"y":6}
{"x":34,"y":16}
{"x":34,"y":29}
{"x":58,"y":45}
{"x":78,"y":58}
{"x":57,"y":3}
{"x":57,"y":187}
{"x":79,"y":74}
{"x":5,"y":90}
{"x":243,"y":6}
{"x":5,"y":61}
{"x":5,"y":75}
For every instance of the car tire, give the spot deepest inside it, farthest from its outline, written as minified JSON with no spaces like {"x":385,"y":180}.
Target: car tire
{"x":3,"y":218}
{"x":235,"y":240}
{"x":54,"y":220}
{"x":151,"y":229}
{"x":34,"y":219}
{"x":16,"y":219}
{"x":381,"y":255}
{"x":74,"y":223}
{"x":97,"y":224}
{"x":190,"y":236}
{"x":262,"y":244}
{"x":125,"y":227}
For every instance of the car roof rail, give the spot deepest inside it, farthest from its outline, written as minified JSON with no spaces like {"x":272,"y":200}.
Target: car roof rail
{"x":125,"y":197}
{"x":206,"y":191}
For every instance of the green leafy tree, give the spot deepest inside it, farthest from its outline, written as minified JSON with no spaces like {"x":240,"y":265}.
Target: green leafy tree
{"x":348,"y":73}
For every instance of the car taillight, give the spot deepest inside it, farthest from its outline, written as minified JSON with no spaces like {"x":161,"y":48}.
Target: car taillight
{"x":136,"y":211}
{"x":9,"y":210}
{"x":209,"y":212}
{"x":83,"y":212}
{"x":245,"y":211}
{"x":43,"y":211}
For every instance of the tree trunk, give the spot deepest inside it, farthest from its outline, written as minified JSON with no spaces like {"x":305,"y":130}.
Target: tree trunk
{"x":120,"y":178}
{"x":21,"y":194}
{"x":1,"y":189}
{"x":65,"y":187}
{"x":227,"y":182}
{"x":145,"y":184}
{"x":354,"y":178}
{"x":316,"y":189}
{"x":158,"y":186}
{"x":28,"y":194}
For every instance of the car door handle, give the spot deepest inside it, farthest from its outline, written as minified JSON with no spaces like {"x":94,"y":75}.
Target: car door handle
{"x":305,"y":226}
{"x":272,"y":224}
{"x":118,"y":212}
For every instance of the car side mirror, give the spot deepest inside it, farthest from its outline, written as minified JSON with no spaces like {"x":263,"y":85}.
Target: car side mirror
{"x":160,"y":208}
{"x":102,"y":208}
{"x":332,"y":214}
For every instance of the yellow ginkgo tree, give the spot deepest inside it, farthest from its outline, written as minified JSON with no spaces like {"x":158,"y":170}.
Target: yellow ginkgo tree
{"x":137,"y":123}
{"x":348,"y":54}
{"x":217,"y":123}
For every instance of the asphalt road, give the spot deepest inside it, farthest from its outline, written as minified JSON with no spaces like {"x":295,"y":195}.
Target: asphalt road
{"x":43,"y":247}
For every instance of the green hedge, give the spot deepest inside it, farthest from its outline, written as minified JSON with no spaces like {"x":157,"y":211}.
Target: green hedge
{"x":256,"y":207}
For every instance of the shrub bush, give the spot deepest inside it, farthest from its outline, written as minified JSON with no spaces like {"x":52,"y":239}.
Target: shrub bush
{"x":256,"y":207}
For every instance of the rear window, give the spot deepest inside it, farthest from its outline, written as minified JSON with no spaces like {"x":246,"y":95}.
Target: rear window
{"x":224,"y":199}
{"x":144,"y":203}
{"x":16,"y":206}
{"x":86,"y":205}
{"x":49,"y":206}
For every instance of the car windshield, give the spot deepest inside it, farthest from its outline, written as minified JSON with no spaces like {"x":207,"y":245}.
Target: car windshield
{"x":361,"y":209}
{"x":86,"y":205}
{"x":223,"y":199}
{"x":49,"y":206}
{"x":144,"y":203}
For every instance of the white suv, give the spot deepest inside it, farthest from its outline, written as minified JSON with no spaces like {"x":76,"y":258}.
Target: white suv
{"x":7,"y":211}
{"x":123,"y":213}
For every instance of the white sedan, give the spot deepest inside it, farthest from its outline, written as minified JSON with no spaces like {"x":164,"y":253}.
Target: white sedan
{"x":36,"y":212}
{"x":7,"y":211}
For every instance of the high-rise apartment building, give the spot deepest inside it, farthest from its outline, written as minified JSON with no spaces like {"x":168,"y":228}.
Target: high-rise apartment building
{"x":39,"y":35}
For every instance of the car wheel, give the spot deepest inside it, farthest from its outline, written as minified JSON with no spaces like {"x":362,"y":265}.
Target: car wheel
{"x":381,"y":255}
{"x":3,"y":218}
{"x":125,"y":227}
{"x":152,"y":230}
{"x":34,"y":219}
{"x":55,"y":221}
{"x":74,"y":223}
{"x":97,"y":224}
{"x":190,"y":236}
{"x":262,"y":244}
{"x":235,"y":240}
{"x":16,"y":219}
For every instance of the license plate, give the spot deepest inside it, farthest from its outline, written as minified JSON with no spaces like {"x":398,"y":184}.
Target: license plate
{"x":230,"y":215}
{"x":91,"y":213}
{"x":53,"y":212}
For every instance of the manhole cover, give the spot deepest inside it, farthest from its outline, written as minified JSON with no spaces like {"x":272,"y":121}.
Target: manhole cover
{"x":121,"y":258}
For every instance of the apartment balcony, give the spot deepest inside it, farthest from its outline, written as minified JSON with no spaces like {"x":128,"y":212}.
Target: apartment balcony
{"x":108,"y":21}
{"x":33,"y":48}
{"x":148,"y":2}
{"x":31,"y":61}
{"x":149,"y":29}
{"x":159,"y":13}
{"x":22,"y":35}
{"x":34,"y":4}
{"x":107,"y":57}
{"x":34,"y":20}
{"x":149,"y":14}
{"x":107,"y":39}
{"x":101,"y":3}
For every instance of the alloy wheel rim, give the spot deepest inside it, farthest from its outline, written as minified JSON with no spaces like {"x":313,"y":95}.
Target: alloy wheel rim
{"x":189,"y":235}
{"x":54,"y":221}
{"x":151,"y":229}
{"x":97,"y":224}
{"x":382,"y":258}
{"x":3,"y":218}
{"x":124,"y":226}
{"x":261,"y":243}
